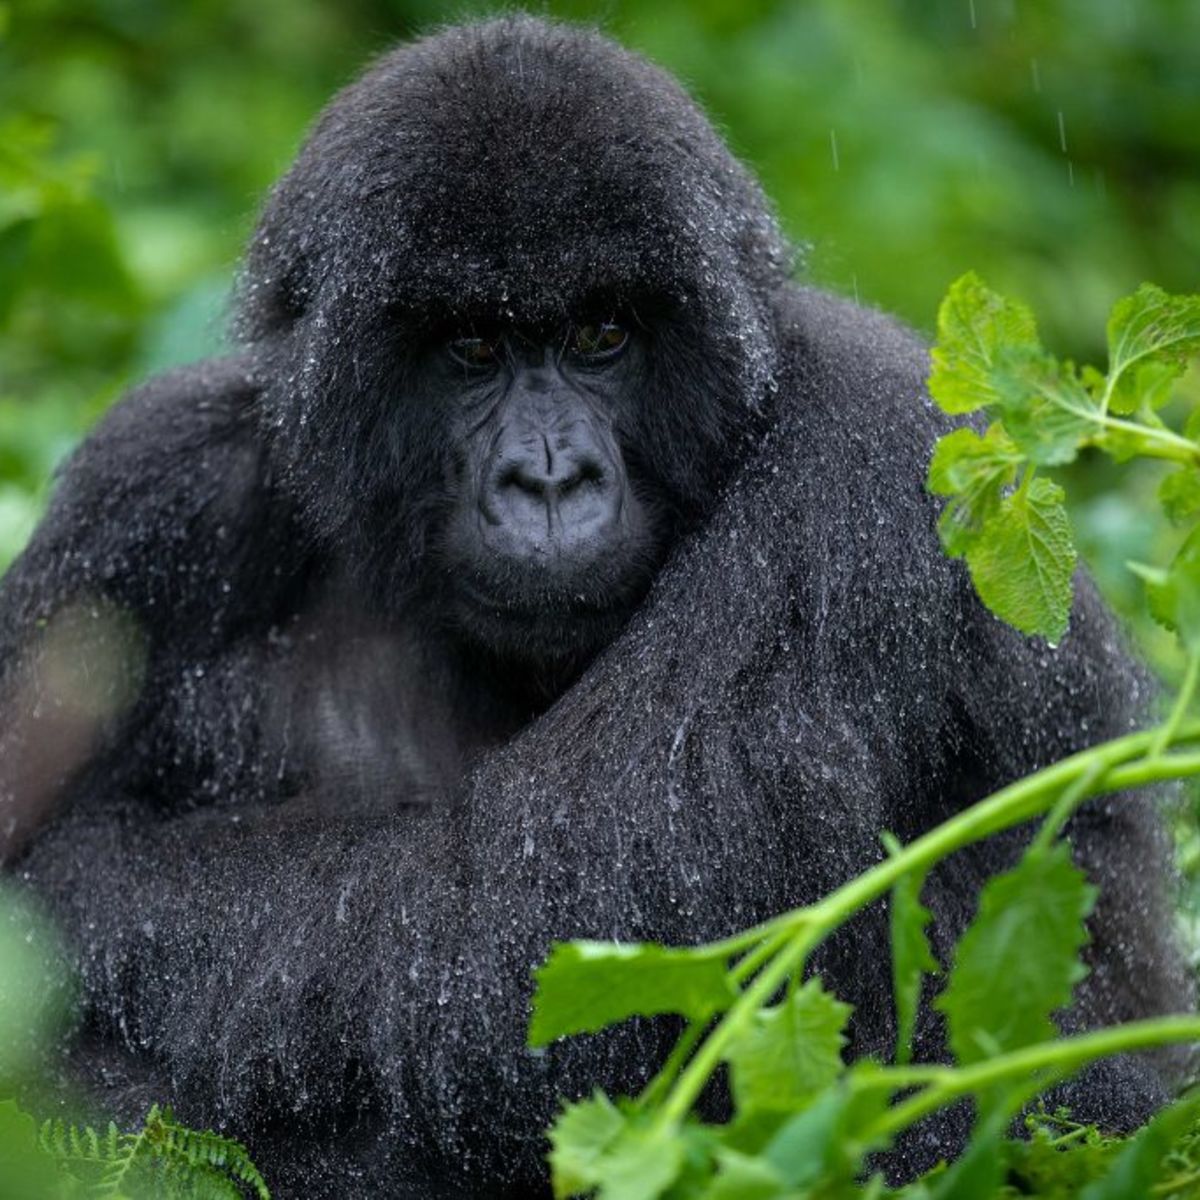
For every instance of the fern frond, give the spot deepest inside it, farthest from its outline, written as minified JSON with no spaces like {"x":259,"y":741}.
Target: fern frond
{"x":195,"y":1164}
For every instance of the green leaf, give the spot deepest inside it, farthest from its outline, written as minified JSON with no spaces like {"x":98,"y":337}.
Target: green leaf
{"x":1151,"y":335}
{"x":1018,"y":961}
{"x":597,"y":1148}
{"x":1023,"y":560}
{"x":789,"y":1052}
{"x":1191,"y":427}
{"x":973,"y":323}
{"x":829,"y":1141}
{"x":973,"y":471}
{"x":1174,"y":595}
{"x":1179,"y":494}
{"x":584,"y":986}
{"x":579,"y":1139}
{"x":912,"y":955}
{"x":1140,"y":1165}
{"x":1047,"y":411}
{"x":741,"y":1177}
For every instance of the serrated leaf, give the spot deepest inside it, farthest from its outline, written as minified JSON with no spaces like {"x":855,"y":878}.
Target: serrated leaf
{"x":1151,"y":335}
{"x":973,"y":323}
{"x":1179,"y":494}
{"x":585,"y":986}
{"x":912,"y":955}
{"x":790,"y":1051}
{"x":579,"y":1139}
{"x":973,"y":471}
{"x":1047,"y":411}
{"x":641,"y":1166}
{"x":1023,"y":560}
{"x":1018,"y":961}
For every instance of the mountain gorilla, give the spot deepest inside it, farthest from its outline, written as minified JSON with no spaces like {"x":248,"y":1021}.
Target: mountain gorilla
{"x":546,"y":564}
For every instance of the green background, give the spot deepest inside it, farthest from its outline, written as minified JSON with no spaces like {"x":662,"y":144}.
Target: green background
{"x":1052,"y":145}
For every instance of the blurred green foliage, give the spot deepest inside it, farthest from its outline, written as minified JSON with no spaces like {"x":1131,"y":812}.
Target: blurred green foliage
{"x":1053,"y":147}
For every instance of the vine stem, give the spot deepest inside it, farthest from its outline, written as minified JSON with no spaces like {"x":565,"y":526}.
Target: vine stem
{"x":1061,"y":1057}
{"x":1111,"y":766}
{"x":1167,"y":731}
{"x":693,"y":1078}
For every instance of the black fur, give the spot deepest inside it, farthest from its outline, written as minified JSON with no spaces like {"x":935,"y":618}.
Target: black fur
{"x":272,"y":932}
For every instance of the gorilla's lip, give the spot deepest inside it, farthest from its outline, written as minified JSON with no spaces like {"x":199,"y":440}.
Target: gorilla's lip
{"x":522,"y":604}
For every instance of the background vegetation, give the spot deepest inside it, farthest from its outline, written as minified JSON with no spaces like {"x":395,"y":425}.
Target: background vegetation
{"x":1053,"y":147}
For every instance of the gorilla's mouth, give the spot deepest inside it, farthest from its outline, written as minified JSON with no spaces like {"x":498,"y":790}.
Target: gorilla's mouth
{"x":535,"y":617}
{"x":540,"y":599}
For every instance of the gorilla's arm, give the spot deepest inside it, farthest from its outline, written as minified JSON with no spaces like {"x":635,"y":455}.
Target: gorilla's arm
{"x":808,"y":671}
{"x":145,"y":574}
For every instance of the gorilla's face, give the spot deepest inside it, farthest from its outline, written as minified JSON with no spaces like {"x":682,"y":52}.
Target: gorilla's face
{"x":547,"y":543}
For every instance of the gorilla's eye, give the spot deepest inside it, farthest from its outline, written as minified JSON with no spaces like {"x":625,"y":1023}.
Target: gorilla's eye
{"x":598,"y":340}
{"x":475,"y":352}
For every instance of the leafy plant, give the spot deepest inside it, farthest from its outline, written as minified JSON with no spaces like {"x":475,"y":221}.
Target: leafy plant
{"x":162,"y":1159}
{"x":1005,"y":518}
{"x":804,"y":1121}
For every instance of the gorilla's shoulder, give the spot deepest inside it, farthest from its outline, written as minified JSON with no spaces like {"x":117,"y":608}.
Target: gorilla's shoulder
{"x":853,"y":392}
{"x":182,"y":425}
{"x":850,"y":341}
{"x":164,"y":496}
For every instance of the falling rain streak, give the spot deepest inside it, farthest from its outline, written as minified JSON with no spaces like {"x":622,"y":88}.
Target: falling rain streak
{"x":834,"y":149}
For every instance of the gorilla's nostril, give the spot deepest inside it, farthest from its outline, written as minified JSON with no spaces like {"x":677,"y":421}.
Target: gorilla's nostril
{"x":520,"y":477}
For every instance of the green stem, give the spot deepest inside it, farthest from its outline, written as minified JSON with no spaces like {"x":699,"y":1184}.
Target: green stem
{"x":1162,"y":442}
{"x":797,"y":932}
{"x":675,"y":1060}
{"x":1166,"y":733}
{"x":767,"y":950}
{"x":1020,"y":801}
{"x":1151,"y":770}
{"x":691,"y":1082}
{"x":1073,"y":796}
{"x":1061,"y":1057}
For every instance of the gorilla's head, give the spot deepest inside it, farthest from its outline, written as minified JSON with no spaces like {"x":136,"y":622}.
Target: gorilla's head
{"x":512,"y":304}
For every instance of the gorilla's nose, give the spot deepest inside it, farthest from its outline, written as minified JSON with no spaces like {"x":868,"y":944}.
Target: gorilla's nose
{"x":547,"y":496}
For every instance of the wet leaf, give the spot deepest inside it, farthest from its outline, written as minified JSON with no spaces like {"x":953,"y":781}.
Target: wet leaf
{"x":1023,"y":561}
{"x":585,"y":986}
{"x":1151,"y":335}
{"x":597,"y":1148}
{"x":1018,"y":961}
{"x":912,"y":955}
{"x":1179,"y":494}
{"x":1046,"y":410}
{"x":789,"y":1051}
{"x":1173,"y":595}
{"x":973,"y":324}
{"x":973,"y":471}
